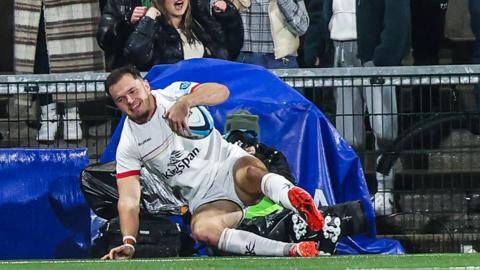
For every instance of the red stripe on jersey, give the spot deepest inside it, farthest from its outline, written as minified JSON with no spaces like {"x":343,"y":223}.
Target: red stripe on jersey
{"x":127,"y":174}
{"x":195,"y":88}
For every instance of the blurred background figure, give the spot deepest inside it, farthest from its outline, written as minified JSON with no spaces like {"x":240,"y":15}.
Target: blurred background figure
{"x":428,"y":25}
{"x":317,"y":46}
{"x":53,"y":37}
{"x":272,"y":31}
{"x":116,"y":24}
{"x":316,"y":51}
{"x":369,"y":33}
{"x":458,"y":32}
{"x":428,"y":22}
{"x":170,"y":31}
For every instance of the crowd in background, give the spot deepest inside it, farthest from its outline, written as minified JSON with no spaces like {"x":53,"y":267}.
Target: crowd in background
{"x":269,"y":33}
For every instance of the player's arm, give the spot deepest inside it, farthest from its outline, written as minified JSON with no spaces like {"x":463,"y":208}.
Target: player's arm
{"x":203,"y":94}
{"x":128,"y":211}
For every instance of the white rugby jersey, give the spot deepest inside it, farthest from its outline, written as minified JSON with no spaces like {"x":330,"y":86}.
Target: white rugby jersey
{"x":190,"y":165}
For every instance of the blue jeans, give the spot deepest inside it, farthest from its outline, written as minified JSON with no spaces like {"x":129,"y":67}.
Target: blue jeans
{"x":267,"y":60}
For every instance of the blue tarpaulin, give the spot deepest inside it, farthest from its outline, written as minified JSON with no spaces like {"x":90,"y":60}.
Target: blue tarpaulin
{"x":320,"y":159}
{"x":44,"y":214}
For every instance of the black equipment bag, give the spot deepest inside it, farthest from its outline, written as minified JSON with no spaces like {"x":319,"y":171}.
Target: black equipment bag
{"x":157,"y":237}
{"x":341,"y":220}
{"x":99,"y":186}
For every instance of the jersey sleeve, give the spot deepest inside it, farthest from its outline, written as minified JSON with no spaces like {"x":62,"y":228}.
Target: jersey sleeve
{"x":178,"y":89}
{"x":128,"y":160}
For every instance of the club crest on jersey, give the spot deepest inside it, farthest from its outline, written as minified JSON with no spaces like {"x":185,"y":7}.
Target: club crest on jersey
{"x":185,"y":85}
{"x":178,"y":163}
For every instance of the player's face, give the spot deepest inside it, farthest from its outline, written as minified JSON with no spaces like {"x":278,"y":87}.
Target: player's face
{"x":132,"y":96}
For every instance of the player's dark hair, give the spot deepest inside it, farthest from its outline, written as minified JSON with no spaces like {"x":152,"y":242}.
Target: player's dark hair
{"x":118,"y":73}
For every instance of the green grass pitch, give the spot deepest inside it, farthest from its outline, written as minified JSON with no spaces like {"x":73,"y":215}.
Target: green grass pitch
{"x":424,"y":261}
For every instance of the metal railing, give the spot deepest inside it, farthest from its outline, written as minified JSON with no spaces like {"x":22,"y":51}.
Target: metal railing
{"x":434,"y":155}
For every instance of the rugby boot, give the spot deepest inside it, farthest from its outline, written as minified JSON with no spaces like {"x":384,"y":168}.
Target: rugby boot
{"x":303,"y":202}
{"x":303,"y":249}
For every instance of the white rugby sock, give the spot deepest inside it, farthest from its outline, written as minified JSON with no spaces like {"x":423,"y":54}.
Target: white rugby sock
{"x":247,"y":243}
{"x":276,"y":188}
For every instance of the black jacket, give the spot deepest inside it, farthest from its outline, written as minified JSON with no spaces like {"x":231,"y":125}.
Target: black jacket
{"x":316,"y":41}
{"x":156,"y":42}
{"x":383,"y":31}
{"x":113,"y":30}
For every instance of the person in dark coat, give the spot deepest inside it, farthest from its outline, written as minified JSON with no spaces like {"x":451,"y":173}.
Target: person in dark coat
{"x":428,"y":23}
{"x":172,"y":31}
{"x":115,"y":26}
{"x":384,"y":31}
{"x":317,"y":46}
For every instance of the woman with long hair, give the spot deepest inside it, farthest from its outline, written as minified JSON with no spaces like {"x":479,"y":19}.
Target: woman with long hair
{"x":173,"y":30}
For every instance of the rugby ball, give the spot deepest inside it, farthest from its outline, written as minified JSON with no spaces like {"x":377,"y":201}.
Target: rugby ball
{"x":200,"y":122}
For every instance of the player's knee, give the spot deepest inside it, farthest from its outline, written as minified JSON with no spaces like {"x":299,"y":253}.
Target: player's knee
{"x":255,"y":173}
{"x":209,"y":236}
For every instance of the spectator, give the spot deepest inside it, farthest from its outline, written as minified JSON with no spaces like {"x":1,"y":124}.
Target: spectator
{"x":317,"y":52}
{"x":369,"y":33}
{"x":384,"y":35}
{"x":57,"y":38}
{"x":428,"y":22}
{"x":48,"y":109}
{"x":271,"y":32}
{"x":116,"y":24}
{"x":458,"y":31}
{"x":316,"y":41}
{"x":172,"y":31}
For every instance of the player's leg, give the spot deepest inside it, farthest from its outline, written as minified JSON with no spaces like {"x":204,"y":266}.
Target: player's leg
{"x":213,"y":223}
{"x":252,"y":181}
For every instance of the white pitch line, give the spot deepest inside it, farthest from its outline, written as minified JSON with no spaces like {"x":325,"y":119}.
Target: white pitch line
{"x":141,"y":260}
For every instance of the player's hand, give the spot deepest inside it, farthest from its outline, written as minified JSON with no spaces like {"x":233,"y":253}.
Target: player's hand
{"x":137,"y":14}
{"x":177,"y":117}
{"x":122,"y":252}
{"x":220,"y":6}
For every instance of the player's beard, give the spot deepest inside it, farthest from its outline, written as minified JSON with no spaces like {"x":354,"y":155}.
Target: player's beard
{"x":141,"y":117}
